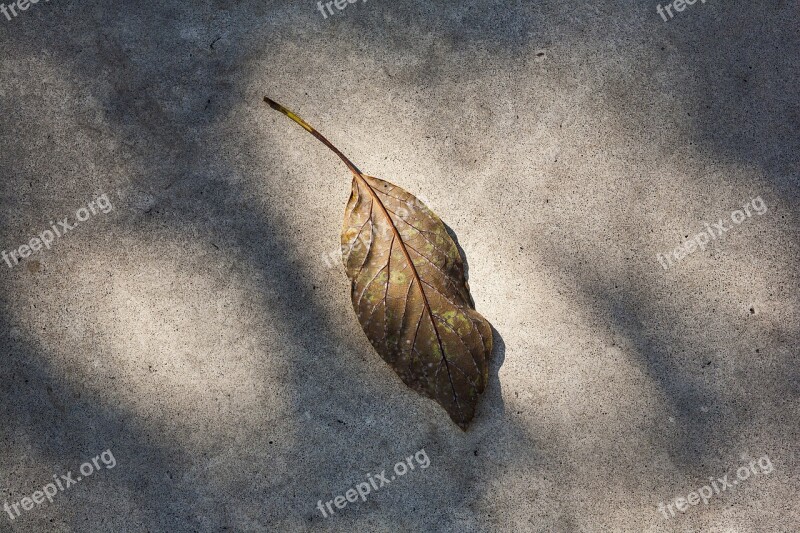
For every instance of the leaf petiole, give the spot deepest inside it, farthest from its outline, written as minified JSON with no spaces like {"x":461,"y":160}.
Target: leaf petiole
{"x":306,"y":126}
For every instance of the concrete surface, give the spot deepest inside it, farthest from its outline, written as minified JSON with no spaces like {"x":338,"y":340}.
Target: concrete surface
{"x":197,"y":333}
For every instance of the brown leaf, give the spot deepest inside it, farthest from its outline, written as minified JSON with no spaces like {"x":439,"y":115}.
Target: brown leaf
{"x":410,"y":293}
{"x":411,"y":297}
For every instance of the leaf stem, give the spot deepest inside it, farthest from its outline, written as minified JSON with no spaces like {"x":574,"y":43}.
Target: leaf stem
{"x":278,"y":107}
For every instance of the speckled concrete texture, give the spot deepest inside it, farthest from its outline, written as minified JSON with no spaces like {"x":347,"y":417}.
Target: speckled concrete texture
{"x":200,"y":331}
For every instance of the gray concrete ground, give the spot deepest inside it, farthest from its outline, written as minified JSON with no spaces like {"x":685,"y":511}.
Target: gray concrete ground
{"x":196,"y":332}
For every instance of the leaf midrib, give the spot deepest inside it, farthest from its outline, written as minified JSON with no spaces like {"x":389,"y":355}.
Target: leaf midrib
{"x":399,"y":238}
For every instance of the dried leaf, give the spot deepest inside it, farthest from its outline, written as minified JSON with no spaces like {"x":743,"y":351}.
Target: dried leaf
{"x":410,"y":293}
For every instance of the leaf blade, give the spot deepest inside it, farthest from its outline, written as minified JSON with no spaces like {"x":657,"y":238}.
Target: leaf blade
{"x":410,"y":294}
